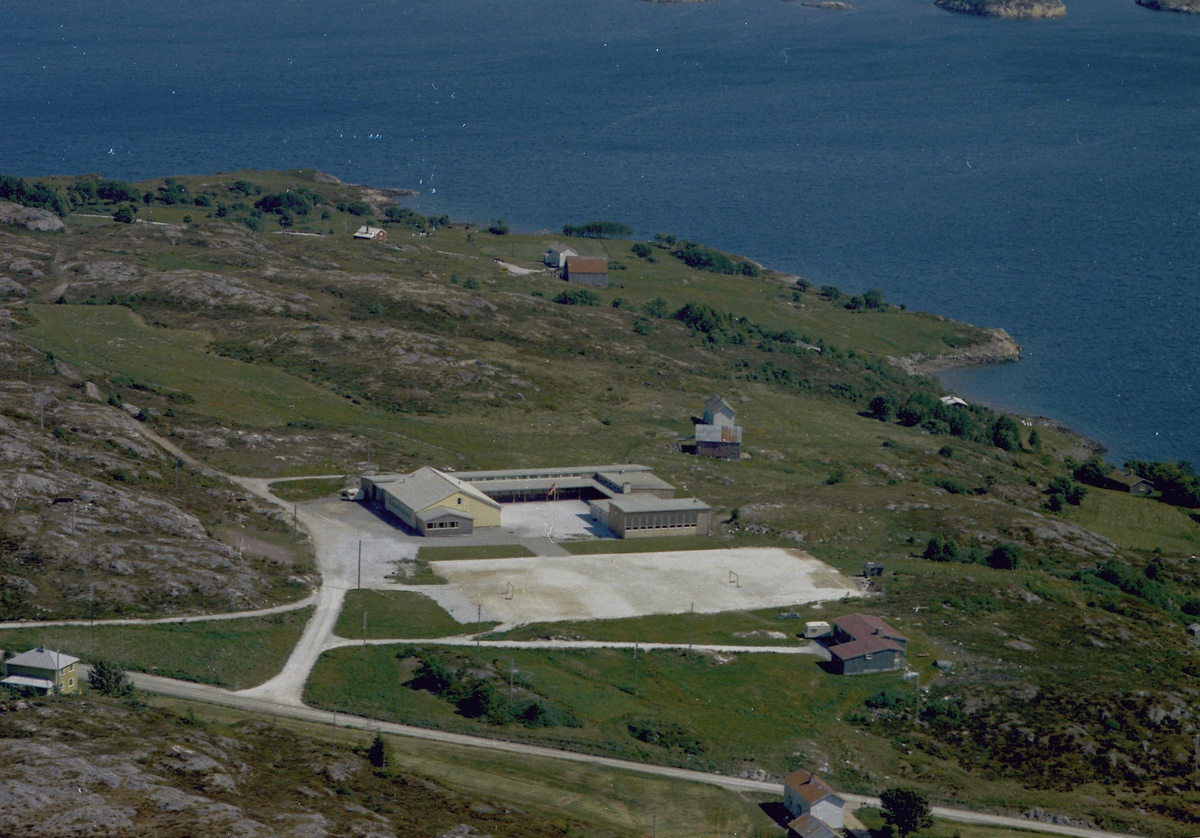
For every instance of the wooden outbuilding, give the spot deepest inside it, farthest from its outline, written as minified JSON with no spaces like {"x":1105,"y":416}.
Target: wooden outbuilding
{"x":377,"y":234}
{"x":586,"y":270}
{"x":1126,"y":482}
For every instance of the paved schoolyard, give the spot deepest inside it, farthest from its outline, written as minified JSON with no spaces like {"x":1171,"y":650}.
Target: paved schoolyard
{"x":552,"y":588}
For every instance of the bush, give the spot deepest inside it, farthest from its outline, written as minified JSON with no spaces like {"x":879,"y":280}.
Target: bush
{"x":355,"y":208}
{"x":578,"y":297}
{"x":284,"y":203}
{"x":666,"y":735}
{"x":498,"y":227}
{"x":379,"y":754}
{"x":883,"y":407}
{"x":117,"y":191}
{"x":38,"y":196}
{"x":107,"y":677}
{"x":655,"y":308}
{"x":941,"y":549}
{"x":244,"y":188}
{"x":599,"y":230}
{"x":641,"y":250}
{"x":643,"y":325}
{"x":124,"y":215}
{"x":621,"y":302}
{"x":831,"y":293}
{"x":1005,"y":557}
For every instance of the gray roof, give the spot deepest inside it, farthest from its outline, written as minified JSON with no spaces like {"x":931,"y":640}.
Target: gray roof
{"x":652,"y":503}
{"x":427,"y":486}
{"x":637,"y":480}
{"x":715,"y":403}
{"x":808,"y":826}
{"x":42,"y":658}
{"x":559,"y":247}
{"x":28,"y":681}
{"x":718,"y":433}
{"x":555,"y":471}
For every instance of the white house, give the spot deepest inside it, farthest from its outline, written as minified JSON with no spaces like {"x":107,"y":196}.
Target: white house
{"x":717,"y":411}
{"x":556,"y":255}
{"x":807,"y":794}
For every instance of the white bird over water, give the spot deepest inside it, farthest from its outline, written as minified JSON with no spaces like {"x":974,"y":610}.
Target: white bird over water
{"x":110,"y":151}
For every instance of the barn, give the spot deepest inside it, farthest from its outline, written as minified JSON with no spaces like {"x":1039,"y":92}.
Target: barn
{"x":587,"y":270}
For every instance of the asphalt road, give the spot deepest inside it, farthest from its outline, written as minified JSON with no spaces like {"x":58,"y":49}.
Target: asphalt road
{"x":256,"y":704}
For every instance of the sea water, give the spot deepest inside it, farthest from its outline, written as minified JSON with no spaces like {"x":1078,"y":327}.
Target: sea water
{"x":1040,"y":176}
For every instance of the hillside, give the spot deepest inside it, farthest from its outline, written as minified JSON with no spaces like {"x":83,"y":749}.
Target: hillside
{"x":208,"y":322}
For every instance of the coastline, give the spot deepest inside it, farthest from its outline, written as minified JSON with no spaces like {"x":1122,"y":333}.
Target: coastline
{"x":999,"y":348}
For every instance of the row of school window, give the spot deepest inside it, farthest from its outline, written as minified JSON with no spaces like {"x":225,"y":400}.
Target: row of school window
{"x":661,"y":522}
{"x":442,"y":525}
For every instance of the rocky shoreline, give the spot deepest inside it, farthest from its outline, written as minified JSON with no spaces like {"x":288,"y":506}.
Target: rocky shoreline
{"x":999,"y":348}
{"x":1186,"y":7}
{"x":1011,"y":9}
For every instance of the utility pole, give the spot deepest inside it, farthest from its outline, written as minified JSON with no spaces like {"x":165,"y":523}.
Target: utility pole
{"x":654,"y":834}
{"x":1196,"y":761}
{"x":635,"y":651}
{"x":691,"y":626}
{"x":917,"y":712}
{"x":364,"y":634}
{"x":359,"y":564}
{"x":478,"y":631}
{"x":512,"y":668}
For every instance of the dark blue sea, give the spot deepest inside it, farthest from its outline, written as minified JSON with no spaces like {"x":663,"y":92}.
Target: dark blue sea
{"x":1040,"y":176}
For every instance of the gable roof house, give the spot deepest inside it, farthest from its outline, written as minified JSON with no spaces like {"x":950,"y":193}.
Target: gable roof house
{"x":865,"y":644}
{"x":1124,"y":482}
{"x":815,"y":808}
{"x":717,"y":411}
{"x":586,"y":270}
{"x":373,"y":233}
{"x":42,"y":669}
{"x":556,"y":255}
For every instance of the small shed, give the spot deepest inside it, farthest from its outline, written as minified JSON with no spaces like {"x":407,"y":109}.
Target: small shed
{"x":377,"y":234}
{"x":954,"y":401}
{"x":556,"y":255}
{"x":873,"y":569}
{"x":817,"y":628}
{"x":721,"y":441}
{"x":1194,"y":629}
{"x":586,"y":270}
{"x":1126,"y":482}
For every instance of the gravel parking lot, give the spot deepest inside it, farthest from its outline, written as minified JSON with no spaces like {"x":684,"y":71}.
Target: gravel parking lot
{"x":552,"y":588}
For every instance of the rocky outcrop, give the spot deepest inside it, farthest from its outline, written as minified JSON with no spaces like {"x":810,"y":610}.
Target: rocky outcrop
{"x":1031,"y":9}
{"x":999,"y":348}
{"x":11,"y":288}
{"x":1187,"y":7}
{"x":30,"y":218}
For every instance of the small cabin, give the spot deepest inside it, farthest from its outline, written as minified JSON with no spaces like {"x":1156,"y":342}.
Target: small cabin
{"x":586,"y":270}
{"x":370,"y":233}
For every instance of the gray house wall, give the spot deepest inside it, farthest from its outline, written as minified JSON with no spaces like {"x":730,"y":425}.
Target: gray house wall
{"x":884,"y":660}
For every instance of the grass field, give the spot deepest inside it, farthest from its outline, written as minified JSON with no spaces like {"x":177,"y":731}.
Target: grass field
{"x":296,"y":491}
{"x":397,"y":614}
{"x":640,"y":545}
{"x":1135,"y":523}
{"x":234,"y":654}
{"x":478,"y":551}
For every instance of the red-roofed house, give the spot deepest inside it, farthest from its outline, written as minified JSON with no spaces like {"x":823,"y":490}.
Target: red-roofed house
{"x":807,"y":795}
{"x":865,"y":644}
{"x":586,"y":270}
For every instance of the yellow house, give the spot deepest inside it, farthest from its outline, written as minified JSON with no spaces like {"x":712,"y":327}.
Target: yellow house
{"x":437,"y":504}
{"x":42,"y":669}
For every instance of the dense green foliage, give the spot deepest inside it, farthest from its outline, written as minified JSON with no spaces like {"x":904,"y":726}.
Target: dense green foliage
{"x":37,"y":195}
{"x":478,"y":697}
{"x":599,"y":230}
{"x":577,"y":297}
{"x":906,"y":810}
{"x":702,"y":258}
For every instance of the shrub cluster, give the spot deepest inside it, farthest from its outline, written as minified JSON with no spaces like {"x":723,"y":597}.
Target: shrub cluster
{"x":599,"y":230}
{"x":38,"y":195}
{"x":578,"y":297}
{"x":478,"y":698}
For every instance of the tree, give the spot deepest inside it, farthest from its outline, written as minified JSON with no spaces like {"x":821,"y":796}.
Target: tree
{"x":124,"y":215}
{"x":379,"y":754}
{"x":1005,"y":557}
{"x":641,"y":250}
{"x":1035,"y":440}
{"x":1005,"y":434}
{"x":831,"y":293}
{"x":498,"y":227}
{"x":656,"y":308}
{"x":107,"y":677}
{"x":873,"y":299}
{"x":941,"y":549}
{"x":578,"y":297}
{"x":883,"y":407}
{"x":599,"y":230}
{"x":907,"y":810}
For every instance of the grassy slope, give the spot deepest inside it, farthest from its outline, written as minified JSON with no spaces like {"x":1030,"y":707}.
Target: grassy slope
{"x":496,"y":376}
{"x":235,"y":654}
